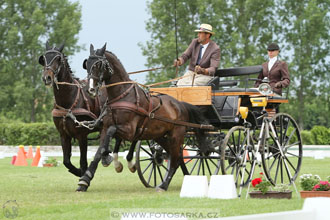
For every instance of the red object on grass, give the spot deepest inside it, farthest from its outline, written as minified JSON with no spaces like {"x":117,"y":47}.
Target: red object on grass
{"x":13,"y":160}
{"x":256,"y":181}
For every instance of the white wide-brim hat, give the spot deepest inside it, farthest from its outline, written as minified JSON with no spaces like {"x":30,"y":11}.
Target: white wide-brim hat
{"x":205,"y":28}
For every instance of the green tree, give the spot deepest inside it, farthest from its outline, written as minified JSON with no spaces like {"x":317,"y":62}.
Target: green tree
{"x":25,"y":26}
{"x":243,"y":29}
{"x":305,"y":29}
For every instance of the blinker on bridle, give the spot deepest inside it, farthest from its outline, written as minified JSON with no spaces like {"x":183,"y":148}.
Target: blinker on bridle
{"x":105,"y":66}
{"x":48,"y":64}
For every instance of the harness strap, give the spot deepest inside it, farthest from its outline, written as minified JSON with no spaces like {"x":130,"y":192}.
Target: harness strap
{"x":137,"y":109}
{"x":59,"y":113}
{"x":122,"y":95}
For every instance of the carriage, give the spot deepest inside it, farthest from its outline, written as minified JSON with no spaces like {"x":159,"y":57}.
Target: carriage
{"x":245,"y":127}
{"x":249,"y":131}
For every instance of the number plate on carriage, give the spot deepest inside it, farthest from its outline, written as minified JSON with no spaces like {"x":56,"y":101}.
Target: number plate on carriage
{"x":259,"y":102}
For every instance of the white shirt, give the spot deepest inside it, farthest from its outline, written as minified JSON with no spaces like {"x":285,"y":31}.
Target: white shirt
{"x":271,"y":62}
{"x":204,"y":48}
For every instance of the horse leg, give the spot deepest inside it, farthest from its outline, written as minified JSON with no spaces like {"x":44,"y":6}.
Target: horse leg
{"x":105,"y":154}
{"x":85,"y":180}
{"x":67,"y":148}
{"x":129,"y":157}
{"x":117,"y":163}
{"x":83,"y":154}
{"x":172,"y":144}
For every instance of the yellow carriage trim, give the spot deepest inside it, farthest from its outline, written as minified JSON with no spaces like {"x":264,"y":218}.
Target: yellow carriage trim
{"x":197,"y":95}
{"x":259,"y":102}
{"x":244,"y":112}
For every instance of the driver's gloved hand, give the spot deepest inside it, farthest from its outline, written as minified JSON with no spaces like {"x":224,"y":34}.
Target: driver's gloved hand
{"x":278,"y":85}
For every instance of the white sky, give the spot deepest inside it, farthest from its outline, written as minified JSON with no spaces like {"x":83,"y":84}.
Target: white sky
{"x":119,"y":23}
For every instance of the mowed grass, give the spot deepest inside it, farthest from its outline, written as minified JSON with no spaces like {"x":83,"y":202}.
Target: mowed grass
{"x":49,"y":193}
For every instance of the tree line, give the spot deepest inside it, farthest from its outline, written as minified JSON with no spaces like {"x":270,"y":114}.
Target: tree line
{"x":25,"y":27}
{"x":243,"y":30}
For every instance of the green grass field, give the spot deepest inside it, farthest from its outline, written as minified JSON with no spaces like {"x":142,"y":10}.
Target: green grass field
{"x":49,"y":193}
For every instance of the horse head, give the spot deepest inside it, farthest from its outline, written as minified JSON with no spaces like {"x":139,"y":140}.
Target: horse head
{"x":53,"y":62}
{"x":98,"y":69}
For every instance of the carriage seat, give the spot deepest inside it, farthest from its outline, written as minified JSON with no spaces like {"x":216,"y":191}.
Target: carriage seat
{"x":215,"y":83}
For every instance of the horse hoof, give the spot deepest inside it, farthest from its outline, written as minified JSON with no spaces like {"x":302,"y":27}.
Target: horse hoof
{"x":160,"y":190}
{"x":106,"y":160}
{"x":119,"y":168}
{"x":81,"y":188}
{"x":132,"y":169}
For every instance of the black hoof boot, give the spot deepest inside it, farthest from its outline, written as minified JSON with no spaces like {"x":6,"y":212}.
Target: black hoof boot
{"x":84,"y":182}
{"x":106,"y":160}
{"x":82,"y":188}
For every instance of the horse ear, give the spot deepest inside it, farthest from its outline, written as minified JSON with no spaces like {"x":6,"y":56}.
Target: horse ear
{"x":91,"y":49}
{"x":61,"y":48}
{"x":42,"y":60}
{"x":47,"y":45}
{"x":85,"y":64}
{"x":103,"y":48}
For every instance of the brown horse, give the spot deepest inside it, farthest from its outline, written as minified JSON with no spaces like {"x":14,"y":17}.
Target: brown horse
{"x":132,"y":114}
{"x":72,"y":104}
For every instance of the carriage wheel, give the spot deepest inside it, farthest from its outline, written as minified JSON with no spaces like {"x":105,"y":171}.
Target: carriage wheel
{"x":234,"y":149}
{"x":199,"y":160}
{"x":152,"y":163}
{"x":282,"y":150}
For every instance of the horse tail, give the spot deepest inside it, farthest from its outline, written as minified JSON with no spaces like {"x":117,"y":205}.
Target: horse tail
{"x":195,"y":114}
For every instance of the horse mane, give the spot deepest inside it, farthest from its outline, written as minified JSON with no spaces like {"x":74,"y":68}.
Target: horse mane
{"x":67,"y":66}
{"x":117,"y":63}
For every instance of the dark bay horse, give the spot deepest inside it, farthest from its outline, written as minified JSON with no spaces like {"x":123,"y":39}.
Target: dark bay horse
{"x":72,"y":102}
{"x":132,"y":114}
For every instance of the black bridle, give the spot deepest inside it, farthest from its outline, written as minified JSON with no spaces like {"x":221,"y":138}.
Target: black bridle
{"x":105,"y":67}
{"x":48,"y":63}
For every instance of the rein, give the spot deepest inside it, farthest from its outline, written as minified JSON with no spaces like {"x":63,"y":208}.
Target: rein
{"x":147,"y":70}
{"x":142,"y":85}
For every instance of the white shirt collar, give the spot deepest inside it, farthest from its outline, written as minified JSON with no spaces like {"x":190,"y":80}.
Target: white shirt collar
{"x":204,"y":47}
{"x":271,"y":62}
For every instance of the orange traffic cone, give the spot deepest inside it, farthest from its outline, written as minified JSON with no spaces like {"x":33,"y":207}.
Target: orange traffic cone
{"x":25,"y":153}
{"x":21,"y":160}
{"x":36,"y":158}
{"x":30,"y":154}
{"x":185,"y":154}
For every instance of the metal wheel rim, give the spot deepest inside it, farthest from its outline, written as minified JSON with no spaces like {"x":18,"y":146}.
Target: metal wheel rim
{"x":150,"y":173}
{"x":272,"y":160}
{"x":232,"y":152}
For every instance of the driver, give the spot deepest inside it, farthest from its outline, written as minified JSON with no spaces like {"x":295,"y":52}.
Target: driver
{"x":275,"y":70}
{"x":204,"y":55}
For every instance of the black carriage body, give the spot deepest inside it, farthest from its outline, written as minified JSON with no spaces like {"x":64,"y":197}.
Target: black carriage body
{"x":224,"y":111}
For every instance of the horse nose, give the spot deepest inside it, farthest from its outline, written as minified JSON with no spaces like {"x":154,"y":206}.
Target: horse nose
{"x":91,"y":91}
{"x":47,"y":80}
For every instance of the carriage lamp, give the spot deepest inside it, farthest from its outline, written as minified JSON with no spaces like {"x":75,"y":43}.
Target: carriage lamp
{"x":244,"y":112}
{"x":265,"y":89}
{"x":259,"y":102}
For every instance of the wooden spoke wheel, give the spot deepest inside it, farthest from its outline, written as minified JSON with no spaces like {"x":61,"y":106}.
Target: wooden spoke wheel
{"x":234,"y":150}
{"x":282,"y":150}
{"x":152,"y":163}
{"x":202,"y":160}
